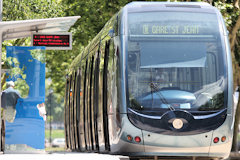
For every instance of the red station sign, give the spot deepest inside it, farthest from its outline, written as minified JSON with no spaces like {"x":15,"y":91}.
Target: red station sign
{"x":53,"y":41}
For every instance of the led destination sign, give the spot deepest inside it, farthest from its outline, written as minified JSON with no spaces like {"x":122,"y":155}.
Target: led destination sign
{"x":170,"y":29}
{"x":58,"y":41}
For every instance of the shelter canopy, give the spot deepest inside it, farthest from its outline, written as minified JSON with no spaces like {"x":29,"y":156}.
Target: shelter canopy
{"x":24,"y":28}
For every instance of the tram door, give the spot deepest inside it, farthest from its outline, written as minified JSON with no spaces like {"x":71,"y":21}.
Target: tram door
{"x":66,"y":117}
{"x":82,"y":88}
{"x":72,"y":137}
{"x":89,"y":105}
{"x":105,"y":97}
{"x":95,"y":98}
{"x":75,"y":112}
{"x":78,"y":95}
{"x":85,"y":109}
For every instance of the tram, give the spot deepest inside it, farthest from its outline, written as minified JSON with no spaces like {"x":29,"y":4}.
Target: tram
{"x":156,"y":81}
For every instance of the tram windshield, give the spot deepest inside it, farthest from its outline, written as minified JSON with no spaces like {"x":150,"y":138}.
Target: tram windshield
{"x":175,"y":62}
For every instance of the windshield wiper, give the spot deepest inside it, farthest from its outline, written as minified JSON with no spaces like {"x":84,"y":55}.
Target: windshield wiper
{"x":158,"y":92}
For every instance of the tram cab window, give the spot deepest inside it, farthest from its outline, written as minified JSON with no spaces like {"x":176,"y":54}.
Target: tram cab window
{"x":182,"y":58}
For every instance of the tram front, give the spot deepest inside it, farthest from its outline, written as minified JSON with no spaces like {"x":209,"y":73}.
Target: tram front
{"x":179,"y":79}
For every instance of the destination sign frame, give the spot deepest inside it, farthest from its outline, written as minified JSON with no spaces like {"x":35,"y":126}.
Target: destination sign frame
{"x":53,"y":41}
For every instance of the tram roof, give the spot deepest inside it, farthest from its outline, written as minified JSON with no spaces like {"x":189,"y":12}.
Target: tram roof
{"x":24,"y":28}
{"x":152,"y":6}
{"x":163,"y":4}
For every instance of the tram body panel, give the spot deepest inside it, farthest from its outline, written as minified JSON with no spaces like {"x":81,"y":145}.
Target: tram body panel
{"x":222,"y":149}
{"x":156,"y":140}
{"x":174,"y":151}
{"x":194,"y":145}
{"x":121,"y":144}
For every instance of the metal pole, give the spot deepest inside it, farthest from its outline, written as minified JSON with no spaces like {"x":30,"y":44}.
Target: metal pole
{"x":50,"y":124}
{"x":1,"y":90}
{"x":1,"y":40}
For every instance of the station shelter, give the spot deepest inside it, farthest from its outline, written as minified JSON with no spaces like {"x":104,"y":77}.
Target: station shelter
{"x":26,"y":132}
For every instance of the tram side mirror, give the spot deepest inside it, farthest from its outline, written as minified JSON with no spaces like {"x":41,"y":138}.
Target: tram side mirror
{"x":111,"y":33}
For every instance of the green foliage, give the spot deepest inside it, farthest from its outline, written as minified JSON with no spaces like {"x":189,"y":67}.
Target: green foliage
{"x":229,"y":13}
{"x":38,"y":54}
{"x":31,"y":9}
{"x":225,"y":8}
{"x":94,"y":14}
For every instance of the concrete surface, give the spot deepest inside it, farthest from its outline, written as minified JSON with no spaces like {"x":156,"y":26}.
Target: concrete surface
{"x":61,"y":156}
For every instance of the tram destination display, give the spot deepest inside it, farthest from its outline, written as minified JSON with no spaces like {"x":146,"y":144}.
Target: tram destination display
{"x":170,"y":28}
{"x":53,"y":41}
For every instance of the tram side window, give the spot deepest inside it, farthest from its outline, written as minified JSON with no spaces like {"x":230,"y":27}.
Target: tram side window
{"x":116,"y":28}
{"x":85,"y":85}
{"x":78,"y":94}
{"x":69,"y":115}
{"x":85,"y":106}
{"x":74,"y":96}
{"x":67,"y":90}
{"x":95,"y":97}
{"x":82,"y":105}
{"x":90,"y":100}
{"x":75,"y":110}
{"x":72,"y":112}
{"x":105,"y":95}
